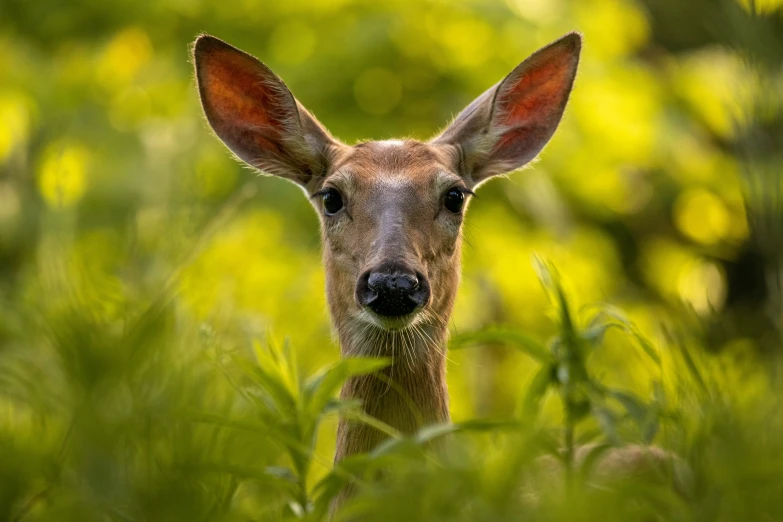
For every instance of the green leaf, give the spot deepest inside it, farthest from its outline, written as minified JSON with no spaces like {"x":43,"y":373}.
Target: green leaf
{"x":282,"y":479}
{"x":393,"y":446}
{"x":280,"y":472}
{"x":278,"y":364}
{"x":503,"y":335}
{"x":578,"y":409}
{"x":594,"y":334}
{"x":622,"y":322}
{"x":350,"y":469}
{"x":432,"y":432}
{"x":481,"y":425}
{"x":544,"y":272}
{"x":341,"y":406}
{"x":634,"y":406}
{"x":219,"y":420}
{"x":692,"y":368}
{"x":606,"y":419}
{"x":650,"y":428}
{"x":320,"y":389}
{"x":594,"y":454}
{"x":277,"y":391}
{"x":550,"y":280}
{"x":297,"y":509}
{"x":543,"y":379}
{"x":379,"y":425}
{"x":647,"y":346}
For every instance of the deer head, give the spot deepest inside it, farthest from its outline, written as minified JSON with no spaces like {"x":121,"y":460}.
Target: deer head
{"x":391,"y":211}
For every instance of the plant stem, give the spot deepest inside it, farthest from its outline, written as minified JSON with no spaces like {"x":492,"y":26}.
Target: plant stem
{"x":569,"y":450}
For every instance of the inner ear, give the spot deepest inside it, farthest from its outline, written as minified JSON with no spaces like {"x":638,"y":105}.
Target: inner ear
{"x":510,"y":124}
{"x":530,"y":101}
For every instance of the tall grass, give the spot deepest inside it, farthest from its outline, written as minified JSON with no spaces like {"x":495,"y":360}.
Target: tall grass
{"x":163,"y":419}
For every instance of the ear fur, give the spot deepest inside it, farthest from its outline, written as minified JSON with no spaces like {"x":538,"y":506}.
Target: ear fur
{"x":252,"y":111}
{"x":510,"y":124}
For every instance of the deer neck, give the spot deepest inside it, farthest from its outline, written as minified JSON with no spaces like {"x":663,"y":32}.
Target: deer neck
{"x":408,"y":394}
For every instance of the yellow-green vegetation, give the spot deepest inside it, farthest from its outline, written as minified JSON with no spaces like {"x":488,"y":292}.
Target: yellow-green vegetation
{"x":165,"y":352}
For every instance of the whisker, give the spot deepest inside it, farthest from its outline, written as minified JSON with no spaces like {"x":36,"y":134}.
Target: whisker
{"x":412,"y":351}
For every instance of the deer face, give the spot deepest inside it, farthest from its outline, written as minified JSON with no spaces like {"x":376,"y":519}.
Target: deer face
{"x":391,"y":211}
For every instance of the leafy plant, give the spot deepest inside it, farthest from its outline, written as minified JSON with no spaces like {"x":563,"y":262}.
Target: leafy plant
{"x":564,"y":370}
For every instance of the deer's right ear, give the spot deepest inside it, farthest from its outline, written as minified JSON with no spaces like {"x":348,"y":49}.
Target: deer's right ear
{"x":509,"y":124}
{"x":252,"y":111}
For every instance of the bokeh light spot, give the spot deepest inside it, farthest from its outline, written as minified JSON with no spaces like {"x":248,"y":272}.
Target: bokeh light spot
{"x":680,"y":275}
{"x":720,"y":106}
{"x":612,"y":27}
{"x":703,"y":286}
{"x":702,"y":216}
{"x":123,"y":57}
{"x":62,"y":175}
{"x":15,"y":127}
{"x":620,"y":108}
{"x":538,"y":11}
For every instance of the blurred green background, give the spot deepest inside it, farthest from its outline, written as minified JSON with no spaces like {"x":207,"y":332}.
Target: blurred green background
{"x":135,"y":253}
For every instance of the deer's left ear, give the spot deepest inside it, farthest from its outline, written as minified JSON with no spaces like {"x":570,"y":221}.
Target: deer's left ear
{"x":508,"y":125}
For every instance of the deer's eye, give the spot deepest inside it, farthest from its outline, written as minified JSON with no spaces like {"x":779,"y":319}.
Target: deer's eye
{"x":333,"y":202}
{"x":455,"y":199}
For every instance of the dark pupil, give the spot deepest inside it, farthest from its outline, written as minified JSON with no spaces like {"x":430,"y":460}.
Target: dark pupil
{"x":333,"y":202}
{"x":454,"y":200}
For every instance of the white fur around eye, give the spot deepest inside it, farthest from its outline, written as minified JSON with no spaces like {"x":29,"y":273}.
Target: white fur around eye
{"x":450,"y":222}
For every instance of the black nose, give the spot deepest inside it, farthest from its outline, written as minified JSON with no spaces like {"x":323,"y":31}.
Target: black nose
{"x":392,"y":290}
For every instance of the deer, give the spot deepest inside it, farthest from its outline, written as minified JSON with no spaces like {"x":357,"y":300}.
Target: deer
{"x":391,"y":212}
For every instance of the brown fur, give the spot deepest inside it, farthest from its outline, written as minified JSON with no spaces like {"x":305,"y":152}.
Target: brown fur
{"x":394,"y":226}
{"x":394,"y":210}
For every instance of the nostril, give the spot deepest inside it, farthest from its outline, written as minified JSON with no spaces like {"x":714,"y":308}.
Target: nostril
{"x":365,"y":291}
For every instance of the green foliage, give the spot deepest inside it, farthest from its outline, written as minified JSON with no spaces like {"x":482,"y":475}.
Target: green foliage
{"x":137,"y":428}
{"x":142,"y":269}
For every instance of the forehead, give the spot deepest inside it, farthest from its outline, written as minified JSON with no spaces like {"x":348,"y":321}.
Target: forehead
{"x":394,"y":162}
